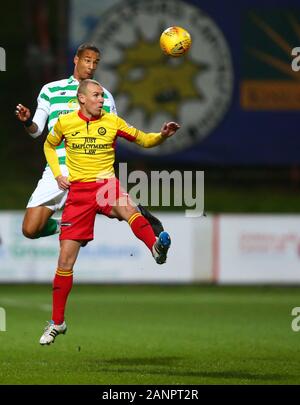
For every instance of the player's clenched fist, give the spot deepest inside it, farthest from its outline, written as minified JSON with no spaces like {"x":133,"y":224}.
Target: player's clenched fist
{"x":22,"y":112}
{"x":169,"y":129}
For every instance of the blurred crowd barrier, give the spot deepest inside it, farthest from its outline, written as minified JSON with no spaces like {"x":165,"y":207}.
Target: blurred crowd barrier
{"x":225,"y":249}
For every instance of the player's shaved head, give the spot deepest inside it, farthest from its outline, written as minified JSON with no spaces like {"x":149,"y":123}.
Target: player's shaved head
{"x":83,"y":86}
{"x":90,"y":97}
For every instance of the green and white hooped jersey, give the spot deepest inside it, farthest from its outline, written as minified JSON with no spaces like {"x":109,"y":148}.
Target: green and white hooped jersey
{"x":59,"y":97}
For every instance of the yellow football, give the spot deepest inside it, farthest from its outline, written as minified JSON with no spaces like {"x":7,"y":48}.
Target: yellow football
{"x":175,"y":41}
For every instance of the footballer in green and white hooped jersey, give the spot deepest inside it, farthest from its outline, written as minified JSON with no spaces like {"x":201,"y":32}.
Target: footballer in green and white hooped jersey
{"x":57,"y":98}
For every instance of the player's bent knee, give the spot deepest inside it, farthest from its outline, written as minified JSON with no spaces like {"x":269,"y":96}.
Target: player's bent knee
{"x":124,"y":213}
{"x":66,"y":260}
{"x":65,"y":264}
{"x":29,"y":232}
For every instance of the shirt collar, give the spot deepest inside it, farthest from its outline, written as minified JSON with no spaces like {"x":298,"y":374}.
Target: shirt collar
{"x":72,"y":79}
{"x":86,"y":119}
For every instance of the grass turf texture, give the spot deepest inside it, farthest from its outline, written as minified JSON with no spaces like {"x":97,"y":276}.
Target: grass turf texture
{"x":152,"y":335}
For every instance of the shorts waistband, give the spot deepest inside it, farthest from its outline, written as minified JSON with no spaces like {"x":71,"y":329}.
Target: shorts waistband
{"x":92,"y":184}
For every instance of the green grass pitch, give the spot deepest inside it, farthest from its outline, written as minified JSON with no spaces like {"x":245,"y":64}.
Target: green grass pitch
{"x":152,"y":335}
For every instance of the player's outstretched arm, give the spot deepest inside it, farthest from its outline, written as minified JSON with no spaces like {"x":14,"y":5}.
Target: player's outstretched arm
{"x":168,"y":129}
{"x":146,"y":140}
{"x":23,"y":114}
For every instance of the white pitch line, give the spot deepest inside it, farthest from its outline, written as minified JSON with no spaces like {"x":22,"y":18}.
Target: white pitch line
{"x":24,"y":304}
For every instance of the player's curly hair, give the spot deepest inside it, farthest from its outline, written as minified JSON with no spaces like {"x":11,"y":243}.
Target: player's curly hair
{"x":86,"y":46}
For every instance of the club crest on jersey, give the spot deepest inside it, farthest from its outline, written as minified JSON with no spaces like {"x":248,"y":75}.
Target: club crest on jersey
{"x":101,"y":131}
{"x":73,"y":104}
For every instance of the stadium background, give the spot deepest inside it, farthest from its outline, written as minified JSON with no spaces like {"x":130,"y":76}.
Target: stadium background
{"x":250,"y":158}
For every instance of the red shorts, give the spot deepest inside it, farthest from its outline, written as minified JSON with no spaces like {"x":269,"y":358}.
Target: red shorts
{"x":84,"y":201}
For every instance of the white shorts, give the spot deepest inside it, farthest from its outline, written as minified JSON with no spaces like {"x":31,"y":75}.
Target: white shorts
{"x":47,"y":193}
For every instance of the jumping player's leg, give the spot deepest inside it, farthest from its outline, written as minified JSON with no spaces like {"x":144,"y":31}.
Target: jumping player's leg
{"x":114,"y":202}
{"x":62,"y":285}
{"x":45,"y":200}
{"x":37,"y":222}
{"x":156,"y":224}
{"x":63,"y":279}
{"x":125,"y":209}
{"x":77,"y":228}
